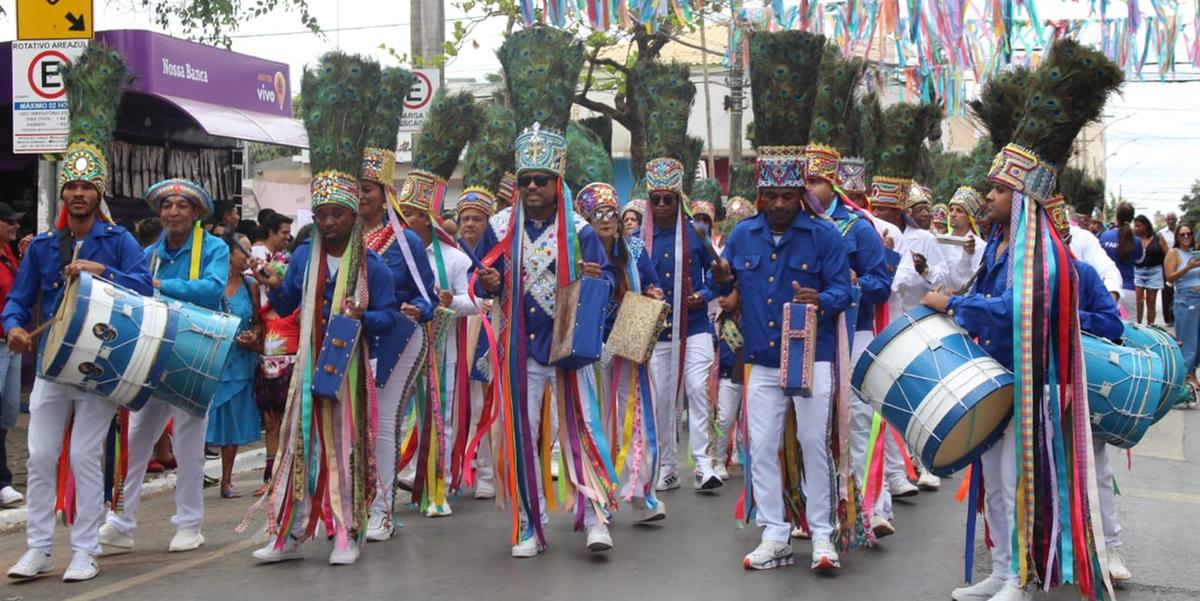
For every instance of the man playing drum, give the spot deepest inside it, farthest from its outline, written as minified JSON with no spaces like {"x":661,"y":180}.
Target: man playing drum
{"x":192,"y":266}
{"x":83,"y":239}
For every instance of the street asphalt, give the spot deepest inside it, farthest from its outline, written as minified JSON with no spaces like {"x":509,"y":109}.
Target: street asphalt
{"x":694,"y":554}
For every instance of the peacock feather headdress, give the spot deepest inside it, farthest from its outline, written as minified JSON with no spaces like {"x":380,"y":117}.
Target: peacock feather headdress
{"x":693,"y":150}
{"x":665,"y":94}
{"x":488,"y":158}
{"x":541,"y":69}
{"x":336,"y":108}
{"x":589,"y":163}
{"x":1000,"y":104}
{"x":901,"y":142}
{"x":452,"y":121}
{"x":706,"y":191}
{"x":833,"y":113}
{"x":379,"y":156}
{"x":783,"y":74}
{"x":94,"y":83}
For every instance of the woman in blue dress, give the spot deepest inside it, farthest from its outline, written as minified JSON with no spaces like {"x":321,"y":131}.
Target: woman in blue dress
{"x":233,"y":418}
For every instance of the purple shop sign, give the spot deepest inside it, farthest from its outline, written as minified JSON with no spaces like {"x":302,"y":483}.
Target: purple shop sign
{"x":168,"y":66}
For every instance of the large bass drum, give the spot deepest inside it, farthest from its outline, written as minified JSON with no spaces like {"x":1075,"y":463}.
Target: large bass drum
{"x":930,"y":381}
{"x":1174,"y":378}
{"x":1125,"y":386}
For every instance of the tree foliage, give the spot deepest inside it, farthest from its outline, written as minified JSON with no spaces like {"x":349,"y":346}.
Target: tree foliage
{"x":212,"y":22}
{"x":1084,"y":193}
{"x":1189,"y":205}
{"x":949,"y":170}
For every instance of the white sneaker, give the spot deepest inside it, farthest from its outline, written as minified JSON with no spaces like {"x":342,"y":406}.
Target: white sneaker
{"x":186,"y":539}
{"x":598,"y":538}
{"x":881,"y":527}
{"x":1013,"y":593}
{"x":980,"y":591}
{"x":290,"y":551}
{"x":721,"y":471}
{"x":928,"y":482}
{"x":527,"y":546}
{"x":344,"y":555}
{"x":436,"y":510}
{"x":82,"y":567}
{"x":111,"y":537}
{"x":900,"y":487}
{"x":643,"y":514}
{"x":667,"y":481}
{"x":1116,"y":566}
{"x":379,"y":527}
{"x":709,"y":482}
{"x":32,"y":564}
{"x":485,"y":489}
{"x":768,"y":555}
{"x":824,"y":555}
{"x":10,"y":497}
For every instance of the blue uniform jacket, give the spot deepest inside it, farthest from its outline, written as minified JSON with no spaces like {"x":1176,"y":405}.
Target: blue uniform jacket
{"x":809,"y":253}
{"x":173,"y":268}
{"x":700,"y":273}
{"x":647,"y":277}
{"x":41,"y":271}
{"x":539,"y":326}
{"x":406,"y":287}
{"x":872,"y":263}
{"x":382,"y":311}
{"x":987,"y":313}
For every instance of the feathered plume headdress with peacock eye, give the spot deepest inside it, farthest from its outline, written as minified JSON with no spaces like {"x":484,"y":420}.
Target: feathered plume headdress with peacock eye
{"x":1066,"y":92}
{"x":336,"y":105}
{"x":901,"y":140}
{"x":706,"y":198}
{"x":452,"y":121}
{"x":488,"y":158}
{"x":589,"y":163}
{"x":379,"y":156}
{"x":664,"y":95}
{"x":833,"y":115}
{"x":783,"y":72}
{"x":541,"y":69}
{"x":1000,"y":104}
{"x":94,"y":83}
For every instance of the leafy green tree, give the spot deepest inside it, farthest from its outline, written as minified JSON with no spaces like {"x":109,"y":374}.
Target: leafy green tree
{"x":1189,"y":205}
{"x":212,"y":21}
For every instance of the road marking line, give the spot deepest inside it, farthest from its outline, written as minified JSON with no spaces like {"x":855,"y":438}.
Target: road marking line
{"x":1155,"y":495}
{"x":167,"y":570}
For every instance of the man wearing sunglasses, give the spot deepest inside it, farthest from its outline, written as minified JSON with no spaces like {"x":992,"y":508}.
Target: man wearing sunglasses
{"x":541,"y":162}
{"x":684,"y":352}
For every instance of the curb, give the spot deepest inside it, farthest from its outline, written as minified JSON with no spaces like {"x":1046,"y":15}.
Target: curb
{"x":246,"y":461}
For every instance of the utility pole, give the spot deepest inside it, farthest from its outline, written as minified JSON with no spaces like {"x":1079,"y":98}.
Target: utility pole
{"x":428,"y":30}
{"x":735,"y":98}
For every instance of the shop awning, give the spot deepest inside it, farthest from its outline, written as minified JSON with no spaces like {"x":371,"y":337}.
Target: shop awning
{"x":240,"y":124}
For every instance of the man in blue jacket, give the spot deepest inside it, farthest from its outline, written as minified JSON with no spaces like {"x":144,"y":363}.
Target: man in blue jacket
{"x":82,"y":240}
{"x":192,"y":266}
{"x":788,"y":253}
{"x":685,"y":352}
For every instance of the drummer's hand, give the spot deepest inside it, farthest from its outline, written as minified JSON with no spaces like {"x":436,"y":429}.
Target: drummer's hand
{"x":919,"y":263}
{"x":248,"y":338}
{"x":653,"y":292}
{"x":721,"y":272}
{"x":937,"y":301}
{"x":1116,"y":297}
{"x":806,"y":296}
{"x":490,"y":278}
{"x":888,"y":243}
{"x":445,"y":297}
{"x":729,"y":302}
{"x":23,"y":245}
{"x":591,"y":270}
{"x":19,"y":341}
{"x":157,"y":283}
{"x":695,"y":301}
{"x":969,"y":247}
{"x":265,"y":275}
{"x":354,"y":309}
{"x":74,"y":267}
{"x":410,"y":312}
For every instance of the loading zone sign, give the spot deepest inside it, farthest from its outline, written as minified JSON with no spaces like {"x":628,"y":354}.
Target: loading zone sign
{"x":40,"y":119}
{"x":420,"y":97}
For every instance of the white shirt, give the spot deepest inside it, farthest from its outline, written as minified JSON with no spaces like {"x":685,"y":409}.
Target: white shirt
{"x":1086,"y":248}
{"x":962,"y":267}
{"x":457,"y":264}
{"x":1168,"y":236}
{"x":908,"y":286}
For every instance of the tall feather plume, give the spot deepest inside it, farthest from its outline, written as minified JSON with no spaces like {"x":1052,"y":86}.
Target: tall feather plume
{"x":384,"y":126}
{"x":541,"y":69}
{"x":871,"y":128}
{"x":490,"y":154}
{"x":693,"y":148}
{"x":452,"y":121}
{"x":94,"y":85}
{"x":665,"y":94}
{"x":638,"y":190}
{"x":783,"y":75}
{"x":933,"y":133}
{"x":709,"y":190}
{"x":587,"y":160}
{"x":1000,"y":104}
{"x":1066,"y":92}
{"x":833,"y":111}
{"x":742,"y":182}
{"x":902,"y":139}
{"x":336,"y":111}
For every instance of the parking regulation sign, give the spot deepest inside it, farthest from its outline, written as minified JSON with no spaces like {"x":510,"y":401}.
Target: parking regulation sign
{"x":40,"y":117}
{"x":420,"y":97}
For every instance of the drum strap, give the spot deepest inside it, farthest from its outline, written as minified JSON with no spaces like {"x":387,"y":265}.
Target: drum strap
{"x":66,"y":244}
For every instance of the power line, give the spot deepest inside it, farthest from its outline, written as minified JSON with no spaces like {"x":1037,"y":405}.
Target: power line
{"x":334,"y":29}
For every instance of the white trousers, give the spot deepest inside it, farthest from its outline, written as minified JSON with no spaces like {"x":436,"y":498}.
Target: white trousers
{"x":999,"y":500}
{"x":1108,"y":500}
{"x":729,"y":398}
{"x":538,"y":377}
{"x":766,"y":409}
{"x":625,"y":382}
{"x":483,"y":456}
{"x":696,"y":364}
{"x":861,"y":414}
{"x":187,"y":441}
{"x":50,"y":408}
{"x":389,"y":408}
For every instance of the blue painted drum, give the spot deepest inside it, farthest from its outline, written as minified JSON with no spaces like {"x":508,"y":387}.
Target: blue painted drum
{"x":946,"y":396}
{"x":108,"y":340}
{"x":192,"y":366}
{"x":1125,"y":386}
{"x":1174,"y":378}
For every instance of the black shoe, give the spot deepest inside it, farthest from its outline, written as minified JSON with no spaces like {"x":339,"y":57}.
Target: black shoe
{"x":709,"y":482}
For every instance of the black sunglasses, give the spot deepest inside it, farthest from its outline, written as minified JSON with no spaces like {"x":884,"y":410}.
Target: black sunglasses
{"x":537,"y":180}
{"x":662,"y":200}
{"x":1182,"y":234}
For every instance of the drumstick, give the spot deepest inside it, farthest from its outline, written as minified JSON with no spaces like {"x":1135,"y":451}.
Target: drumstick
{"x":41,"y":328}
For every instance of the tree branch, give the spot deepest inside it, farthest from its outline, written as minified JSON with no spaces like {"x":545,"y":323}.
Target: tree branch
{"x":603,"y":109}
